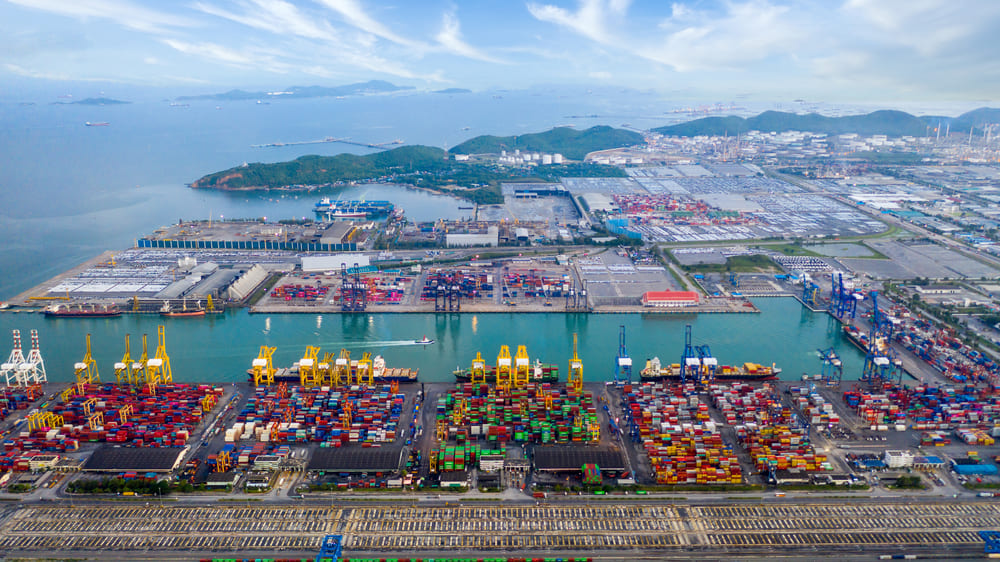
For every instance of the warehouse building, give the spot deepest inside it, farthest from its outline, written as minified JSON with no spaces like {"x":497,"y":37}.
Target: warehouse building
{"x":670,"y":299}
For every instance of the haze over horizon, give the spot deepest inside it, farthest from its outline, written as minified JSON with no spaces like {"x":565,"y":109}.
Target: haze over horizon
{"x":846,"y":51}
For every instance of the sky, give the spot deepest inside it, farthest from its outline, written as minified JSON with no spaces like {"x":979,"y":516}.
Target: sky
{"x":843,"y":50}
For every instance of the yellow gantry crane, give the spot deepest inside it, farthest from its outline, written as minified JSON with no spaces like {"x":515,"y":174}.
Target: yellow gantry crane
{"x":326,"y":368}
{"x":522,"y":367}
{"x":342,"y":369}
{"x":209,"y":304}
{"x":364,"y":373}
{"x":124,"y":413}
{"x":574,"y":380}
{"x":263,"y":367}
{"x":309,"y":368}
{"x":122,"y":368}
{"x":504,"y":365}
{"x":158,"y":368}
{"x":477,"y":374}
{"x":39,"y":420}
{"x":86,"y":370}
{"x":138,"y":367}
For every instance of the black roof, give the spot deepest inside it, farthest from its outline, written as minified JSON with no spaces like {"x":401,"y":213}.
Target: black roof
{"x":355,"y":459}
{"x":139,"y":459}
{"x":573,"y":458}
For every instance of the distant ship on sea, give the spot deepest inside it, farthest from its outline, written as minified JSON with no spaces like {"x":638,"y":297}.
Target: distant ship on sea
{"x":97,"y":124}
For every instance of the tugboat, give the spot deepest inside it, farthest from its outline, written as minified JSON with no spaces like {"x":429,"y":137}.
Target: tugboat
{"x":423,"y":341}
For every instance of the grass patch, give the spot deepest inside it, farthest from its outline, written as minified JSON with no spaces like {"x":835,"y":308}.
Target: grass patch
{"x":757,"y":263}
{"x":822,"y":487}
{"x":792,"y":250}
{"x":982,"y":485}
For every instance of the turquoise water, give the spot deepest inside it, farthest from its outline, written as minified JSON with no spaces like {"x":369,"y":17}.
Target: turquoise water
{"x":220,"y":349}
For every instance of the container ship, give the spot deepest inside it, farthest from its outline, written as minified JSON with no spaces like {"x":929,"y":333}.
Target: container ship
{"x":365,"y":208}
{"x":380,"y":372}
{"x":857,"y":337}
{"x":83,"y":311}
{"x":654,"y":371}
{"x":540,"y":372}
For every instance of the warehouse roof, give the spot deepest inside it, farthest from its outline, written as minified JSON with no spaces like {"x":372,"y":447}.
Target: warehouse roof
{"x":558,"y":458}
{"x":117,"y":459}
{"x":354,"y":459}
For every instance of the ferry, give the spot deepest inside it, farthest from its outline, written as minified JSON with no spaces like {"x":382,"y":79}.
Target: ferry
{"x":655,"y":371}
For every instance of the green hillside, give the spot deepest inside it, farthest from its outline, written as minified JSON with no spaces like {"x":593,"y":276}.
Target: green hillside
{"x":314,"y":170}
{"x":885,"y":122}
{"x":567,"y":141}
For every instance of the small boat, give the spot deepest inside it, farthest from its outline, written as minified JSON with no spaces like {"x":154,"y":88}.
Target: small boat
{"x":424,"y":341}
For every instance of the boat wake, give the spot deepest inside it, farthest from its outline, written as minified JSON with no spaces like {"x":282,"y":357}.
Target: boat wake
{"x":354,"y":344}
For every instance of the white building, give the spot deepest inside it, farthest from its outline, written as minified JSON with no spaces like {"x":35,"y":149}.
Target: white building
{"x":898,"y":459}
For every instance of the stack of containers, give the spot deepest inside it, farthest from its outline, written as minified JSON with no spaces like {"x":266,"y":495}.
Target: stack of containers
{"x":814,"y":407}
{"x":163,"y":420}
{"x":12,"y":399}
{"x":742,"y":403}
{"x":683,"y":444}
{"x":330,"y":416}
{"x":781,"y":447}
{"x":539,"y":413}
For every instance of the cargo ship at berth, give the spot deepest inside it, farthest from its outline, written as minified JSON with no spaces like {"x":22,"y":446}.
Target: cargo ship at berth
{"x":380,"y":372}
{"x":338,"y":208}
{"x":540,"y":372}
{"x":83,"y":311}
{"x":857,"y":337}
{"x":655,"y":371}
{"x":184,"y":312}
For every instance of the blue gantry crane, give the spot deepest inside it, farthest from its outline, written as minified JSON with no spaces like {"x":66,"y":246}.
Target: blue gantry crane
{"x":690,"y":363}
{"x":709,"y":364}
{"x":843,"y":301}
{"x":330,"y":549}
{"x":623,"y":363}
{"x":882,"y":365}
{"x":833,"y":368}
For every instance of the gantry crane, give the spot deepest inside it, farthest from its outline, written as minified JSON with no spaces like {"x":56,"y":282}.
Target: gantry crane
{"x":139,"y":366}
{"x":364,"y":373}
{"x":158,"y":368}
{"x":522,"y":367}
{"x":326,"y":368}
{"x":122,"y":368}
{"x":12,"y":368}
{"x":342,"y":368}
{"x":33,"y":370}
{"x":504,"y":365}
{"x":623,"y":363}
{"x":881,"y":363}
{"x":574,"y":380}
{"x":690,"y":363}
{"x":477,"y":374}
{"x":86,"y":370}
{"x":309,"y":368}
{"x":709,"y":364}
{"x":263,"y":367}
{"x":833,"y":370}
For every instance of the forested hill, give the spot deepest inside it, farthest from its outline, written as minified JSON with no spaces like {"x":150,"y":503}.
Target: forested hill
{"x":567,"y":141}
{"x":315,"y":170}
{"x":886,"y":122}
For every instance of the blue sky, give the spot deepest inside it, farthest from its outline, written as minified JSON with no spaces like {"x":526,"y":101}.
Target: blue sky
{"x":886,"y":50}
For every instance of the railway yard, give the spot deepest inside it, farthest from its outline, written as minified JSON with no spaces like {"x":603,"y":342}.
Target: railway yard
{"x":605,"y":530}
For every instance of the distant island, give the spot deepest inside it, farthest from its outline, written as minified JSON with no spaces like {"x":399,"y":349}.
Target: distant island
{"x":885,"y":122}
{"x":452,"y":91}
{"x":430,"y":168}
{"x":361,"y":88}
{"x":567,"y":141}
{"x":92,"y":101}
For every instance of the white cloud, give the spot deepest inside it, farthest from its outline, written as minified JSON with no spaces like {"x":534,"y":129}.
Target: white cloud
{"x":450,"y":37}
{"x":122,"y":12}
{"x":60,"y":77}
{"x":746,"y":32}
{"x":352,"y":13}
{"x":151,"y":60}
{"x":600,"y":75}
{"x":215,"y":52}
{"x":275,"y":16}
{"x":927,"y":26}
{"x":590,"y":19}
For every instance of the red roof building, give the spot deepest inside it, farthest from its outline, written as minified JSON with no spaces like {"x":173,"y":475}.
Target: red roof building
{"x":670,"y":298}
